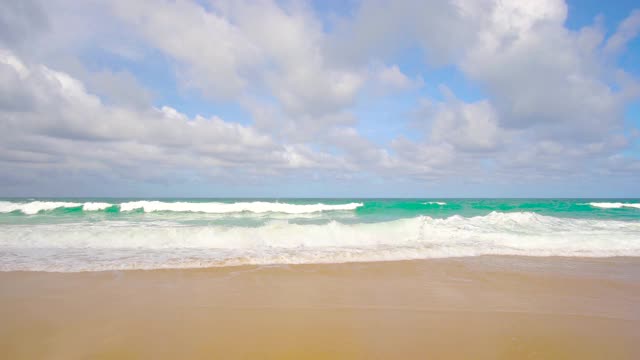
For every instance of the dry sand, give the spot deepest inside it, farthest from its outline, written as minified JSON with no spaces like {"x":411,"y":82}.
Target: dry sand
{"x":480,"y":308}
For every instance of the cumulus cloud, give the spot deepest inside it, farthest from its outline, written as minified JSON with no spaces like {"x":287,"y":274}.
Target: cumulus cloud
{"x":297,"y":72}
{"x":466,"y":126}
{"x":21,"y":21}
{"x":541,"y":75}
{"x":441,"y":28}
{"x":212,"y":53}
{"x":392,"y":78}
{"x":552,"y":100}
{"x":545,"y":84}
{"x":247,"y":44}
{"x":119,"y":87}
{"x":49,"y":121}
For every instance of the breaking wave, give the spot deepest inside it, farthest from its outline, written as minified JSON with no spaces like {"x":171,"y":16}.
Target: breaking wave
{"x":117,"y":245}
{"x":614,"y":205}
{"x":34,"y":207}
{"x":223,"y":208}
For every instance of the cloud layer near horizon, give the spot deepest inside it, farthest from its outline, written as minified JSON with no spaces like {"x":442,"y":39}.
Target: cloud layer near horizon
{"x":551,"y":105}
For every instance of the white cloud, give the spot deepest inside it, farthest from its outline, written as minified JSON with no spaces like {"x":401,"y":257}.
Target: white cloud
{"x":296,"y":69}
{"x":545,"y":84}
{"x":538,"y":74}
{"x":466,"y":126}
{"x":627,"y":30}
{"x":59,"y":125}
{"x":118,"y":87}
{"x":20,"y":21}
{"x":552,"y":99}
{"x":541,"y":75}
{"x":391,"y":77}
{"x":232,"y":48}
{"x":212,"y":52}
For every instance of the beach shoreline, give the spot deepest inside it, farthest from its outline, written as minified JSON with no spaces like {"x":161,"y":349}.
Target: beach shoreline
{"x":480,"y":307}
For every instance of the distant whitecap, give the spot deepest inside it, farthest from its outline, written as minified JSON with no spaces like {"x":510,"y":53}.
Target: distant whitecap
{"x":614,"y":205}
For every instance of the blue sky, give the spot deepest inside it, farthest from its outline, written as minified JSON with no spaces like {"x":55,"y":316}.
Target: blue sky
{"x":320,"y":99}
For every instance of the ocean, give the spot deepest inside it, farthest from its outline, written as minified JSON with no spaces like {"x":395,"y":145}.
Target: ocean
{"x":71,"y":235}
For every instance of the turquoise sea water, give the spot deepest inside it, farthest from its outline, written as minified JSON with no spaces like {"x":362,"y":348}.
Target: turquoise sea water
{"x":371,"y":210}
{"x":104,"y":234}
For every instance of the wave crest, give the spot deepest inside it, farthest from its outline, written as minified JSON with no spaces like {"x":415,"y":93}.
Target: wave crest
{"x":34,"y":207}
{"x":224,"y":208}
{"x":614,"y":205}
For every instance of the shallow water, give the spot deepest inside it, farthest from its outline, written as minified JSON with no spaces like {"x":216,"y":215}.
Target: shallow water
{"x":110,"y":234}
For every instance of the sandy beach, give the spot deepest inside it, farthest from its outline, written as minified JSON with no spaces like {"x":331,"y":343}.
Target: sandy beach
{"x":485,"y":307}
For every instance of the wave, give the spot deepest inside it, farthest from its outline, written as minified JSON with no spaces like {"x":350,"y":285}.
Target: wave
{"x":441,"y":203}
{"x":95,"y":206}
{"x":34,"y":207}
{"x":128,"y":245}
{"x":224,"y":208}
{"x":614,"y":205}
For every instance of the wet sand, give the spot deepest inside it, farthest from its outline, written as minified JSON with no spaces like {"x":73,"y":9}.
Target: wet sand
{"x":483,"y":308}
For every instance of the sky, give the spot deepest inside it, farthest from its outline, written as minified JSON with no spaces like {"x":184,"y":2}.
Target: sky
{"x":446,"y":98}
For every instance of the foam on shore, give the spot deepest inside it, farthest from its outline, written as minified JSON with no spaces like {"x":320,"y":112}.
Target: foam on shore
{"x":131,"y":245}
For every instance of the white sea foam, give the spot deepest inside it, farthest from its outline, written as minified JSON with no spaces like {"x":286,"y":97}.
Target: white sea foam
{"x":435,"y":203}
{"x":223,"y":208}
{"x":34,"y":207}
{"x":614,"y":205}
{"x":129,"y":245}
{"x":95,"y":206}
